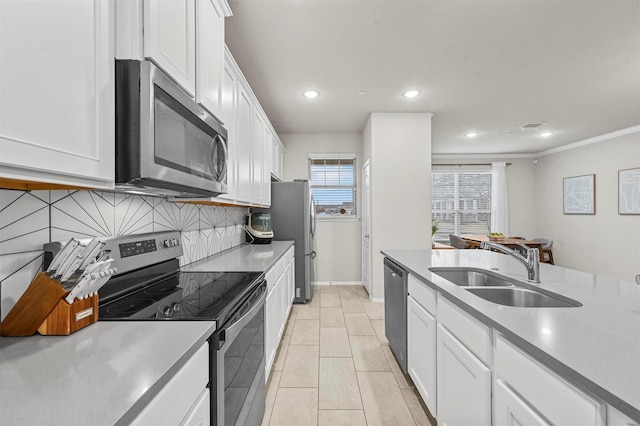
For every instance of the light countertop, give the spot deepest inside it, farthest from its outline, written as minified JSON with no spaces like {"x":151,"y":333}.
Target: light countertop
{"x":103,"y":374}
{"x":107,"y":372}
{"x":597,"y":345}
{"x":244,"y":258}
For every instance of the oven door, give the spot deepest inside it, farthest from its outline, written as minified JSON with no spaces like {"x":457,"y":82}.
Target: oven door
{"x":239,"y":397}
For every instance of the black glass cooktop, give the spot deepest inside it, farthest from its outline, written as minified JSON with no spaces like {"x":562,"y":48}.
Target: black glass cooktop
{"x":178,"y":296}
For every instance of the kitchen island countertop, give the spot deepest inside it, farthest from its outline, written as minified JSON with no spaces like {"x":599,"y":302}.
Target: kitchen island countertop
{"x":597,"y":345}
{"x":103,"y":374}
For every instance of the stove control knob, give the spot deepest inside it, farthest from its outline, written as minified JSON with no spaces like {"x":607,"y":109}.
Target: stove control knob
{"x":174,"y":242}
{"x":166,"y":243}
{"x":175,"y":307}
{"x":167,"y":311}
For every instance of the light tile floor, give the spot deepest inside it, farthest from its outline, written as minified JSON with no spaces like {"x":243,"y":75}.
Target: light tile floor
{"x":334,"y":367}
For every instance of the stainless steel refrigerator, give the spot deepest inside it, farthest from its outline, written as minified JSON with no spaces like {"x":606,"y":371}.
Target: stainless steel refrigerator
{"x":293,"y":218}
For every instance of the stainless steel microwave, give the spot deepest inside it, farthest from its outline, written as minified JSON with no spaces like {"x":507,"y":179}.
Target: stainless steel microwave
{"x":166,"y":144}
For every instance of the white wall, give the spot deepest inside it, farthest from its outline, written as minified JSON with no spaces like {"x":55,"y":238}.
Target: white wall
{"x":400,"y":148}
{"x":606,"y":243}
{"x":337,"y":242}
{"x":522,"y":191}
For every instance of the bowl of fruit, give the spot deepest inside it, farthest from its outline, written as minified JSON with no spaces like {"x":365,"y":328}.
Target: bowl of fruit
{"x":496,"y":236}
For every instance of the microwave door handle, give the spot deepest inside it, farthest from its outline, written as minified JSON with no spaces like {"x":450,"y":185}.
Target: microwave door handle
{"x":218,"y":174}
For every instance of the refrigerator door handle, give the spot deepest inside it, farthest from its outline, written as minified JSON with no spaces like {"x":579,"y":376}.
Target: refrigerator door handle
{"x":312,"y":254}
{"x":312,"y":216}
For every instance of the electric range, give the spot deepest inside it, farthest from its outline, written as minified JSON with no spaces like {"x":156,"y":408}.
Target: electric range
{"x":149,"y":286}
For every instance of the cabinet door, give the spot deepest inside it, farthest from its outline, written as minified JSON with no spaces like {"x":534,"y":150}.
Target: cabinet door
{"x":210,"y":54}
{"x":511,"y":410}
{"x":200,"y":414}
{"x":464,"y":384}
{"x":229,"y":103}
{"x":170,"y":39}
{"x":282,"y":304}
{"x":258,"y":157}
{"x":266,"y":164}
{"x":179,"y":396}
{"x":270,"y":341}
{"x":291,"y":282}
{"x":421,"y":352}
{"x":57,"y":111}
{"x":244,"y":144}
{"x":279,"y":156}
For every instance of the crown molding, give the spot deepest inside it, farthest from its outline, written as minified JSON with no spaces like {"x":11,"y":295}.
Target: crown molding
{"x":595,"y":139}
{"x":574,"y":145}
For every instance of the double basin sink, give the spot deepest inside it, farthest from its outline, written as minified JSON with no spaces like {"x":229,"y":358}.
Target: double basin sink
{"x":503,"y":290}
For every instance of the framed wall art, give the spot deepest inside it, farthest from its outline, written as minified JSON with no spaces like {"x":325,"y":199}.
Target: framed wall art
{"x":629,"y":191}
{"x":579,"y":194}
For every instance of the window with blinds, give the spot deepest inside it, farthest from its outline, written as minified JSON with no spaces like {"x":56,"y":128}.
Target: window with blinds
{"x":461,"y":202}
{"x":333,"y":184}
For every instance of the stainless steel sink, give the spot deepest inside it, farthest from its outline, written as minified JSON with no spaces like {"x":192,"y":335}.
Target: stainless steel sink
{"x":472,"y":277}
{"x":523,"y":298}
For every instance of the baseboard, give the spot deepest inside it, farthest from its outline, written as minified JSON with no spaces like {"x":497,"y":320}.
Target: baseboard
{"x":321,"y":283}
{"x":377,"y":299}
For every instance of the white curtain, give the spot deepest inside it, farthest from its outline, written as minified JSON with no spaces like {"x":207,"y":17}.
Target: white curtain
{"x":499,"y":198}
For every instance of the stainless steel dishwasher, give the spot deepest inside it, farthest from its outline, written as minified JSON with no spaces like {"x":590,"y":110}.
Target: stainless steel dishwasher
{"x":395,"y":310}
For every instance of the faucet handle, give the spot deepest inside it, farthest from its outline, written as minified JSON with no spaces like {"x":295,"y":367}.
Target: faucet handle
{"x":526,"y":247}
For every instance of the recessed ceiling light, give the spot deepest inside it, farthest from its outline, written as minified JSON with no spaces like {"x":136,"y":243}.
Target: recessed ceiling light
{"x":471,"y":134}
{"x":311,"y":94}
{"x":411,"y":93}
{"x":545,"y":134}
{"x":362,"y":93}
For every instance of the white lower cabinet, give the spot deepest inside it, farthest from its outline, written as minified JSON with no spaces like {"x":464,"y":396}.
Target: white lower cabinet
{"x":277,"y":305}
{"x":421,"y":352}
{"x":555,"y":399}
{"x":510,"y":410}
{"x":270,"y":332}
{"x":616,"y":418}
{"x":475,"y":376}
{"x":464,"y":384}
{"x":181,"y":401}
{"x":200,"y":414}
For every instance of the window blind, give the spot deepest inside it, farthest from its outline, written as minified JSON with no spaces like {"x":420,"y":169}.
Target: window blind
{"x":333,"y":184}
{"x":461,"y":202}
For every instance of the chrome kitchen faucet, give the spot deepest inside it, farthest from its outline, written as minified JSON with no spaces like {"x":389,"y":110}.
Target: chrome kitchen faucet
{"x":531,"y":261}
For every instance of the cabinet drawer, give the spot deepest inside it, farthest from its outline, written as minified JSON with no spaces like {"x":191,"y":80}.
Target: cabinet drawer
{"x":471,"y":332}
{"x":556,"y":399}
{"x":271,"y":276}
{"x":280,"y":264}
{"x":179,"y":395}
{"x":422,"y":294}
{"x":289,"y":254}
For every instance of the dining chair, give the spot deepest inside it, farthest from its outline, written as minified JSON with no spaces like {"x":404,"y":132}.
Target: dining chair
{"x":545,"y":247}
{"x":458,"y":242}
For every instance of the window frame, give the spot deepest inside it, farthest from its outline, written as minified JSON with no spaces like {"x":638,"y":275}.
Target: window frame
{"x":342,"y":156}
{"x":457,"y":210}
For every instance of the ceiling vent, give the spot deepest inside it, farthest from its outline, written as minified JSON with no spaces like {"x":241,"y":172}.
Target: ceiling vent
{"x":531,"y":126}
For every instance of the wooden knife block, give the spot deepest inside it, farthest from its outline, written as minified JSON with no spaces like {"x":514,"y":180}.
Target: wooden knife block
{"x":42,"y":309}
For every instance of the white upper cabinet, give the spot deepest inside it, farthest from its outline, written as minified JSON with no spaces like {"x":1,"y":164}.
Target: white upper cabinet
{"x":57,"y":117}
{"x":278,"y":159}
{"x":229,"y":103}
{"x":258,"y":149}
{"x":210,"y":56}
{"x":170,"y":39}
{"x":244,"y":144}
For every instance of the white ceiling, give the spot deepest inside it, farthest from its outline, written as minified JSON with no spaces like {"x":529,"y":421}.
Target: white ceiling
{"x":489,"y":66}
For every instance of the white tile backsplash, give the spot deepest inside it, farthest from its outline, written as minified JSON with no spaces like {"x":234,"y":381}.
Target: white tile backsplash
{"x":24,"y":222}
{"x":30,"y":219}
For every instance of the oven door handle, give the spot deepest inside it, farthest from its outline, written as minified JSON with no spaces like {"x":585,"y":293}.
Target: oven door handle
{"x":230,"y":332}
